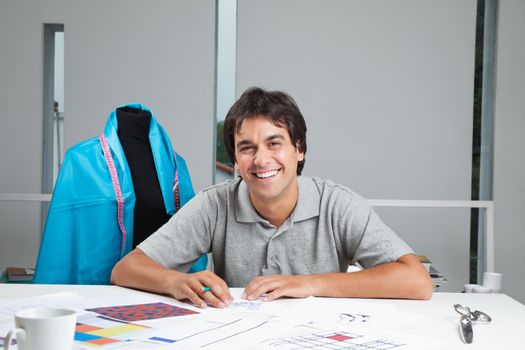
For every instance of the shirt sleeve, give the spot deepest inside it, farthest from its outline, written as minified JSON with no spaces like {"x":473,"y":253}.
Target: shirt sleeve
{"x":368,"y":240}
{"x":185,"y":237}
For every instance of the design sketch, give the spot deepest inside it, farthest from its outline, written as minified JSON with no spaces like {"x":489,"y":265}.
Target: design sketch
{"x":353,"y":318}
{"x":340,"y":318}
{"x":330,"y":340}
{"x":206,"y":333}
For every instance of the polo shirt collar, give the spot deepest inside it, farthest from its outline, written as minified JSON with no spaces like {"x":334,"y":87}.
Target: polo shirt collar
{"x":307,"y":203}
{"x":309,"y":200}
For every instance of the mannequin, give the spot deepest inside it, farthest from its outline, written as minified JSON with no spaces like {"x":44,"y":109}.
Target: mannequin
{"x":150,"y":212}
{"x":88,"y":229}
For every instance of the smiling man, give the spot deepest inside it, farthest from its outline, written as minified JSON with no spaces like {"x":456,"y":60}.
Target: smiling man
{"x":272,"y":231}
{"x":267,"y":162}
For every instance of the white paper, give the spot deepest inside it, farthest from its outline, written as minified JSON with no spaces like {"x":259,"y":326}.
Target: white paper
{"x":218,"y":331}
{"x":275,"y":307}
{"x":245,"y":324}
{"x":65,"y":300}
{"x":329,"y":312}
{"x":345,"y":338}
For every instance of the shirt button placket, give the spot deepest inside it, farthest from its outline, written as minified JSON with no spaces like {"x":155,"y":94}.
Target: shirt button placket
{"x":271,"y":258}
{"x":275,"y":261}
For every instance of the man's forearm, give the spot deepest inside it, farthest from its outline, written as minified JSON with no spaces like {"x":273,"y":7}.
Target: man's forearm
{"x":136,"y":270}
{"x":401,"y":279}
{"x":203,"y":288}
{"x":405,"y":278}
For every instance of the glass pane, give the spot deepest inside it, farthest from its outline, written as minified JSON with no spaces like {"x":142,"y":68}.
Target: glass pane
{"x":226,"y":51}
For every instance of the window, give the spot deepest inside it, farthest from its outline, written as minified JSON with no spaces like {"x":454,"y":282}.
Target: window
{"x":482,"y":141}
{"x":225,"y":88}
{"x":53,"y":109}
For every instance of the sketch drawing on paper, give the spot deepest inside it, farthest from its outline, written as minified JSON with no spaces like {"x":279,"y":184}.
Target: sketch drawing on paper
{"x":353,"y":318}
{"x":340,"y":318}
{"x":247,"y":305}
{"x":210,"y":333}
{"x":340,"y":340}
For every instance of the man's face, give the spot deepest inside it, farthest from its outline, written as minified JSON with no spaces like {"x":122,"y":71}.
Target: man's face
{"x":267,"y":160}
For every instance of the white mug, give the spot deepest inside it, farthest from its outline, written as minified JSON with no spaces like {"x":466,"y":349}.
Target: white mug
{"x":43,"y":329}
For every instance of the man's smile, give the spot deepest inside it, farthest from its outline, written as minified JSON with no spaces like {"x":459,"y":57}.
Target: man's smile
{"x":266,"y":174}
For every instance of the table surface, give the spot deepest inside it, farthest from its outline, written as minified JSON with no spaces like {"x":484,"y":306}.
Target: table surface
{"x":507,"y":330}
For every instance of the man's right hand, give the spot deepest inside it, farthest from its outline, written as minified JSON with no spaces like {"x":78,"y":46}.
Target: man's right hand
{"x":201,"y":288}
{"x":138,"y":271}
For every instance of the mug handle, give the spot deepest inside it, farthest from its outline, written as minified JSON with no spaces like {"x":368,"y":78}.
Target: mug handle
{"x":19,"y":333}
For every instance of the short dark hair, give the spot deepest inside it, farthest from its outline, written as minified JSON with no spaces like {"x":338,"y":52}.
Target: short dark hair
{"x":274,"y":105}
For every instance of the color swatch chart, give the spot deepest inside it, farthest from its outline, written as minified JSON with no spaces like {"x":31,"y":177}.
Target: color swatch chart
{"x":95,"y":331}
{"x":141,"y":312}
{"x":112,"y":325}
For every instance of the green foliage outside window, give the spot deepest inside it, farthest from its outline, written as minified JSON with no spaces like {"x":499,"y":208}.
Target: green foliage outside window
{"x":222,"y":155}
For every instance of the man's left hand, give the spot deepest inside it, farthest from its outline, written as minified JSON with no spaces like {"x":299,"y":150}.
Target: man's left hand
{"x":276,"y":286}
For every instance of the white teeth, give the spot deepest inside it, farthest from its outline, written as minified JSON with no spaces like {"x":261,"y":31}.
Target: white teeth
{"x":266,"y":174}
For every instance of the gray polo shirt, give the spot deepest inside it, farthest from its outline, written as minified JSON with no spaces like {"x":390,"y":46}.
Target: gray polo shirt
{"x":330,"y":228}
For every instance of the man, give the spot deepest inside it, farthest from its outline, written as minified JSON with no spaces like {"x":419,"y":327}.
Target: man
{"x":272,"y":231}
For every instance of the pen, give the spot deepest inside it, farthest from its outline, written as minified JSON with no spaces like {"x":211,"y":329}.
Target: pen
{"x":206,"y":289}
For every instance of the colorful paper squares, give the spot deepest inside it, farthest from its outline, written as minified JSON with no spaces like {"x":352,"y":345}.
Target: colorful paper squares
{"x":85,"y":337}
{"x":103,"y":341}
{"x":84,"y":328}
{"x":114,"y":331}
{"x":164,"y":340}
{"x":97,"y":330}
{"x":141,"y":312}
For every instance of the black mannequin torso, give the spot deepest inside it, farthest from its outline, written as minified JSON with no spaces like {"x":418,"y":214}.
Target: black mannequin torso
{"x":150,"y":212}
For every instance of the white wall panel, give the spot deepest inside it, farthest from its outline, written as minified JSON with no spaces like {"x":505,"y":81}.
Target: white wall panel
{"x":386,"y":88}
{"x":509,"y":149}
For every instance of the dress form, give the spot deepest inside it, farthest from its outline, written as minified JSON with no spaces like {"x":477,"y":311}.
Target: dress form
{"x":150,"y":212}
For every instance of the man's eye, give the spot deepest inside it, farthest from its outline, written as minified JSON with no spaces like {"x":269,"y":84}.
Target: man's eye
{"x":275,"y":144}
{"x":246,"y":149}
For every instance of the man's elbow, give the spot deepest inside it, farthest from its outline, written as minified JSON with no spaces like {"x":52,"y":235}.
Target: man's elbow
{"x":115,"y":273}
{"x":422,"y":288}
{"x":418,"y":279}
{"x":118,"y":273}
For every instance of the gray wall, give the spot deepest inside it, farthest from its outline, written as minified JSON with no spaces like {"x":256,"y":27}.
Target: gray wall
{"x":386,"y":88}
{"x":21,"y":131}
{"x":509,"y":157}
{"x":161,"y":54}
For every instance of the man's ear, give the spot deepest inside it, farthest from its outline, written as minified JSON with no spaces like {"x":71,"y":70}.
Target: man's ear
{"x":299,"y":153}
{"x":236,"y":171}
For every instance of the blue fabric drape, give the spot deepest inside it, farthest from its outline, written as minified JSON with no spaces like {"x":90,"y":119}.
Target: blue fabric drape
{"x":82,"y":240}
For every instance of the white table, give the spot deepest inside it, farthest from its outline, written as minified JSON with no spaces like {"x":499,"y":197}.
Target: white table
{"x":507,"y":330}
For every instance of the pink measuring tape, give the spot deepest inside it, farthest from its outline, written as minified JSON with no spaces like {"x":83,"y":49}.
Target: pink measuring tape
{"x":176,"y":193}
{"x":116,"y":188}
{"x":118,"y":191}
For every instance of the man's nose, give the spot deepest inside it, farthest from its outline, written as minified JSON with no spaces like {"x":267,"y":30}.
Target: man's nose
{"x":262,"y":157}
